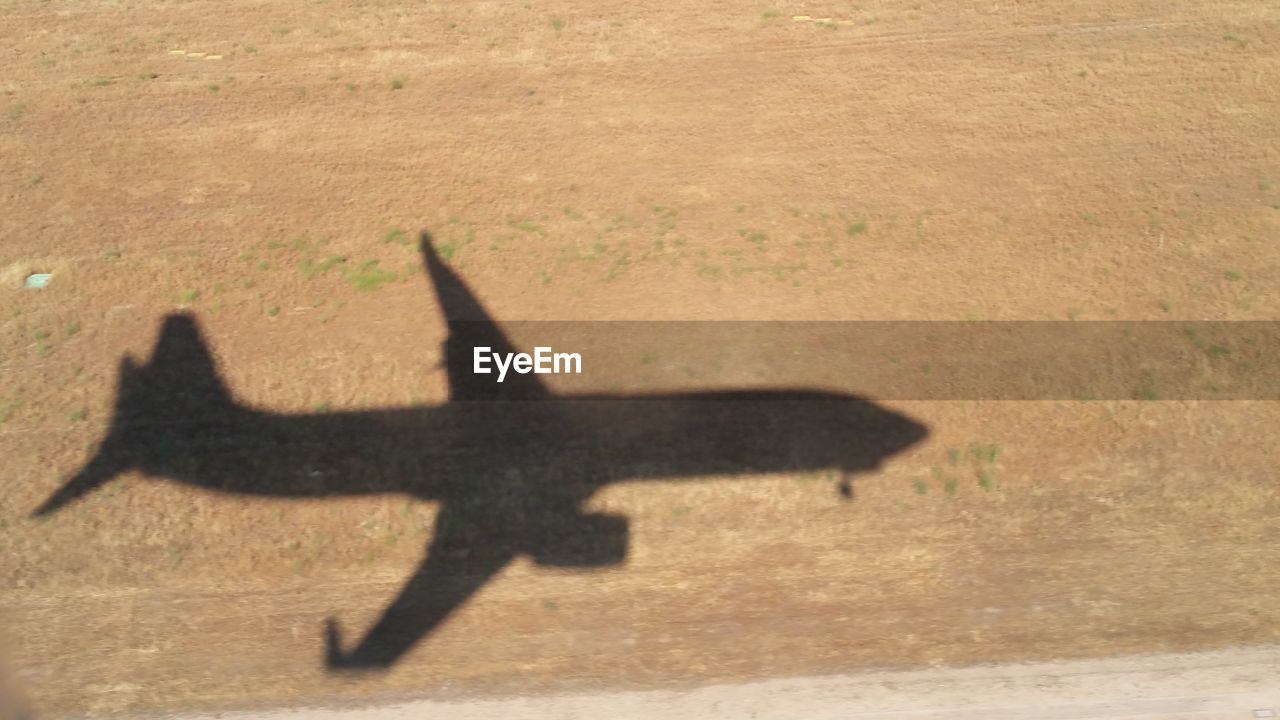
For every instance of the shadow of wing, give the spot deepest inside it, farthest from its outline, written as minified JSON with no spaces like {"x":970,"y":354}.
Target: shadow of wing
{"x":470,"y":327}
{"x":455,"y":567}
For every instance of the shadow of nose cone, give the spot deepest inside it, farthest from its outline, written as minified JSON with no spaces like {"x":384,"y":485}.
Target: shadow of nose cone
{"x":892,"y":432}
{"x":908,"y":432}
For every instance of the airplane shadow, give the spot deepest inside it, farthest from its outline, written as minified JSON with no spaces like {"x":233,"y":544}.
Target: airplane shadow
{"x":511,"y":464}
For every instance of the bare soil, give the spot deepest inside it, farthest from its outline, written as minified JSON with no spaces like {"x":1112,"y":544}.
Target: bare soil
{"x":672,"y":160}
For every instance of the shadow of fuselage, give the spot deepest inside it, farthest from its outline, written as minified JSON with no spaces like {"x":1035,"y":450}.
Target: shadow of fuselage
{"x":510,"y":464}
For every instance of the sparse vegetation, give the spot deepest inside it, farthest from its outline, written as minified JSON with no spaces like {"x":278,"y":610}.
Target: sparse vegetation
{"x":312,"y":268}
{"x":9,"y":405}
{"x":528,"y":226}
{"x":367,"y":276}
{"x":396,"y":235}
{"x":446,"y":249}
{"x":397,"y":83}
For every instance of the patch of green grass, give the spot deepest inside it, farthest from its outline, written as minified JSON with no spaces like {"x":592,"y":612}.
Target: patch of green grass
{"x":949,"y":487}
{"x":8,"y":406}
{"x":544,"y":277}
{"x":323,"y":407}
{"x":313,"y":269}
{"x":1239,"y":41}
{"x":619,"y":265}
{"x":367,"y":276}
{"x":78,"y":415}
{"x":922,"y":487}
{"x":710,"y":272}
{"x":1232,"y":275}
{"x":756,"y":237}
{"x":71,"y":329}
{"x":44,"y":350}
{"x":273,"y":311}
{"x":557,"y":24}
{"x":188,"y":296}
{"x":446,"y":250}
{"x":856,"y":228}
{"x":953,"y":456}
{"x":397,"y":83}
{"x":213,"y":87}
{"x":986,"y":480}
{"x":985,"y":453}
{"x":648,"y":359}
{"x":528,"y":226}
{"x":770,"y":14}
{"x":1218,"y":351}
{"x":41,"y":334}
{"x":397,"y":236}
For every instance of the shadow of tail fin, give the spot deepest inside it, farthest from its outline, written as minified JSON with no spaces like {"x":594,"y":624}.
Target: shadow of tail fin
{"x":179,"y":386}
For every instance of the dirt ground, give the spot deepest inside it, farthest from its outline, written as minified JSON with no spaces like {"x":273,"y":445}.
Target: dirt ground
{"x":249,"y":163}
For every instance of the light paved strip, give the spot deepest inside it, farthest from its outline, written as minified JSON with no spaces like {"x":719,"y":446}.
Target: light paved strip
{"x":1228,"y":685}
